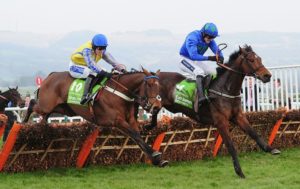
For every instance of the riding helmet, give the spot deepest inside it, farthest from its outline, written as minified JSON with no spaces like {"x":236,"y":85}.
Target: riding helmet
{"x":99,"y":40}
{"x":210,"y":29}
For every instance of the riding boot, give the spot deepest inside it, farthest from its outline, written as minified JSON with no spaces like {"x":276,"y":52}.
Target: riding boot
{"x":87,"y":87}
{"x":200,"y":92}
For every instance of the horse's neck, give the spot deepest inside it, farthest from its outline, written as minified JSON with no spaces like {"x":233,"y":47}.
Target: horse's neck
{"x":3,"y":103}
{"x":132,"y":81}
{"x":168,"y":80}
{"x":229,"y":83}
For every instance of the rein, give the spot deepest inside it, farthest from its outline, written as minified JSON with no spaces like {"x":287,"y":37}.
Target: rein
{"x":244,"y":57}
{"x":224,"y":46}
{"x":3,"y":97}
{"x":137,"y":98}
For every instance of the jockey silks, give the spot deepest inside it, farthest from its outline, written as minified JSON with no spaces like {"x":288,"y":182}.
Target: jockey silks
{"x":194,"y":47}
{"x":77,"y":56}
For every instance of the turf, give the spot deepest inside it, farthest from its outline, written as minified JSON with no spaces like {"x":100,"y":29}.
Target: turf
{"x":262,"y":171}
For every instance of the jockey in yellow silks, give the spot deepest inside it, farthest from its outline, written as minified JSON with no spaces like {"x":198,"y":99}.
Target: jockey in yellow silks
{"x":84,"y":60}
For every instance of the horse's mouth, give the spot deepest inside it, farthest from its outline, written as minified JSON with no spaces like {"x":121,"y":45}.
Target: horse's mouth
{"x":265,"y":78}
{"x":155,"y":110}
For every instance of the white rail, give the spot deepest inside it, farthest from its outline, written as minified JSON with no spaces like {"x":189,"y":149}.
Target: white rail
{"x":282,"y":91}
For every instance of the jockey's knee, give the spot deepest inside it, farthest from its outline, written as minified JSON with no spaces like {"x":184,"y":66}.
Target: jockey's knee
{"x":199,"y":72}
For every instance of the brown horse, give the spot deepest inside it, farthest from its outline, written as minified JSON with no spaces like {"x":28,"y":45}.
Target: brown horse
{"x":114,"y":107}
{"x":225,"y":101}
{"x":11,"y":95}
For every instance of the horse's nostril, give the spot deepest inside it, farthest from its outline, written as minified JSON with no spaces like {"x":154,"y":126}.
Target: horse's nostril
{"x":268,"y":76}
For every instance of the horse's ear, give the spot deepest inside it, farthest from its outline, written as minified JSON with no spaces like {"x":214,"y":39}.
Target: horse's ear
{"x":157,"y":72}
{"x":241,"y":50}
{"x":17,"y":88}
{"x":9,"y":88}
{"x":146,"y":71}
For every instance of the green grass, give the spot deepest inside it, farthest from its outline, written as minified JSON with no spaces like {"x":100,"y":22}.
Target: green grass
{"x":262,"y":171}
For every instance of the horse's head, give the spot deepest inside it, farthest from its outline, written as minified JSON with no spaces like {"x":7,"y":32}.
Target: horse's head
{"x":149,"y":92}
{"x":13,"y":95}
{"x":251,"y":64}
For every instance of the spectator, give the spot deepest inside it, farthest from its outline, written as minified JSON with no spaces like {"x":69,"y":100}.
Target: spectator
{"x":10,"y":121}
{"x":251,"y":95}
{"x":280,"y":95}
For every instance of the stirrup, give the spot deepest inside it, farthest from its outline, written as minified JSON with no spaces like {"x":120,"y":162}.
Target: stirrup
{"x":200,"y":102}
{"x":85,"y":99}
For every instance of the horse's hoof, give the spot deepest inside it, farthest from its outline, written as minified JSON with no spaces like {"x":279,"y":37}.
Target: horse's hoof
{"x":156,"y":158}
{"x":242,"y":175}
{"x":275,"y":152}
{"x":163,"y":163}
{"x":156,"y":154}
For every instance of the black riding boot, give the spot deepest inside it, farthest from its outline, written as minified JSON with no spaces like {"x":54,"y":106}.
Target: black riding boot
{"x":200,"y":92}
{"x":87,"y":87}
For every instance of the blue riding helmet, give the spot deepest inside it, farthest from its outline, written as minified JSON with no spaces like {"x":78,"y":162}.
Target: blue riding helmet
{"x":210,"y":29}
{"x":99,"y":40}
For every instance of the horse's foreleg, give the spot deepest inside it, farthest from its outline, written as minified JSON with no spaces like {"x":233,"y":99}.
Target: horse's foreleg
{"x":222,"y":126}
{"x":244,"y":124}
{"x":153,"y":124}
{"x":134,"y":134}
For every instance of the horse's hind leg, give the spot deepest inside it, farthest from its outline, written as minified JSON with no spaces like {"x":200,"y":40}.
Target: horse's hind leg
{"x":154,"y":156}
{"x":244,"y":124}
{"x":32,"y":103}
{"x":35,"y":107}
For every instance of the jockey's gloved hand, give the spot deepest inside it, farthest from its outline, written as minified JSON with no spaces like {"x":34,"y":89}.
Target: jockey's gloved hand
{"x":212,"y":58}
{"x":105,"y":74}
{"x":120,"y":68}
{"x":221,"y":59}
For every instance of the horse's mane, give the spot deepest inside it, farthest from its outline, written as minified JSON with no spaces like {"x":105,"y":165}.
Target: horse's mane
{"x":134,"y":72}
{"x":232,"y":58}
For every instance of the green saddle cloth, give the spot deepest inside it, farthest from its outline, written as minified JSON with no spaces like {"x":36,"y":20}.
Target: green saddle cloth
{"x":185,"y":92}
{"x":76,"y":91}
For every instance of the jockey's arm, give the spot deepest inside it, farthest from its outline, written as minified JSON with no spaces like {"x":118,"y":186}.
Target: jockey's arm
{"x":110,"y":59}
{"x":191,"y":46}
{"x":87,"y":54}
{"x":215,"y":49}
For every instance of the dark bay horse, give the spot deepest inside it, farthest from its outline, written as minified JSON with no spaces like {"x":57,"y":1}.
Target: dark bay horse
{"x":113,"y":108}
{"x":11,"y":95}
{"x":225,"y":101}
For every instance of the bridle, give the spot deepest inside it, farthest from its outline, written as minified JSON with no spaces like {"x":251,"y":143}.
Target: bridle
{"x":245,"y":60}
{"x":144,"y":100}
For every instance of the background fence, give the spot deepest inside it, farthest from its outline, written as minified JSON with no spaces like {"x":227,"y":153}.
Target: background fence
{"x":282,"y":91}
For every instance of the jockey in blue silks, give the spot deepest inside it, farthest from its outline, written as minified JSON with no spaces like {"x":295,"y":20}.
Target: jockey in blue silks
{"x":194,"y":62}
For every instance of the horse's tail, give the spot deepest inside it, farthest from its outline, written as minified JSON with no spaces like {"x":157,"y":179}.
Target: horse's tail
{"x":29,"y":110}
{"x":36,"y":92}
